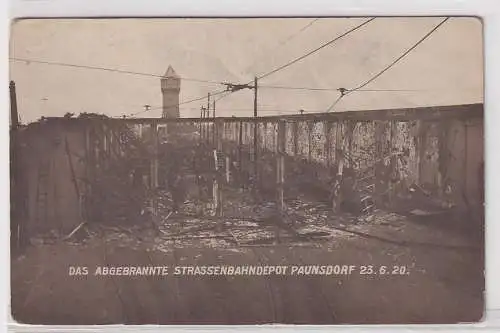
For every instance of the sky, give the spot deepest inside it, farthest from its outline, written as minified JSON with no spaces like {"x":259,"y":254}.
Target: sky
{"x":446,"y":69}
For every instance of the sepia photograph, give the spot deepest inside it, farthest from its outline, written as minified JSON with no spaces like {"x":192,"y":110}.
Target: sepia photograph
{"x":245,"y":171}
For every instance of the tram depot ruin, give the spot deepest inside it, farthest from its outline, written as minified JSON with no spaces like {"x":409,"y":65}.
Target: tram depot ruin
{"x":73,"y":170}
{"x":211,"y":177}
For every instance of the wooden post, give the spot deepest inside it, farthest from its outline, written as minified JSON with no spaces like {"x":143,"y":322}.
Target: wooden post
{"x":206,"y":125}
{"x":240,"y":157}
{"x":111,"y":144}
{"x":228,"y":168}
{"x":201,"y":124}
{"x":208,"y":106}
{"x":338,"y":197}
{"x":154,"y":160}
{"x":328,"y":151}
{"x":154,"y":168}
{"x":105,"y":147}
{"x":219,"y":180}
{"x":280,"y":176}
{"x":264,"y":142}
{"x":310,"y":126}
{"x":206,"y":128}
{"x":240,"y":144}
{"x":418,"y":153}
{"x":381,"y":180}
{"x":394,"y":161}
{"x":255,"y":130}
{"x":255,"y":151}
{"x":339,"y":144}
{"x":280,"y":164}
{"x":295,"y":138}
{"x":351,"y":125}
{"x":339,"y":161}
{"x":88,"y":177}
{"x":217,"y":185}
{"x":214,"y":135}
{"x":255,"y":89}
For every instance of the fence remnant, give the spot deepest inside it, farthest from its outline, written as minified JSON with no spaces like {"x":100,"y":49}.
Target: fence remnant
{"x":363,"y":141}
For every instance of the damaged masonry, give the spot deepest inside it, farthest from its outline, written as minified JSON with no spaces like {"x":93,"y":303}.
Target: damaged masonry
{"x":182,"y":187}
{"x":369,"y":211}
{"x":188,"y":179}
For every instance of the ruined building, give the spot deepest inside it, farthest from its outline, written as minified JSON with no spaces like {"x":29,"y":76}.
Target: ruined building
{"x":170,"y":89}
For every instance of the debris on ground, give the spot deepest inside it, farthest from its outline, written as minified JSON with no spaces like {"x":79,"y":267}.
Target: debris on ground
{"x":162,"y":219}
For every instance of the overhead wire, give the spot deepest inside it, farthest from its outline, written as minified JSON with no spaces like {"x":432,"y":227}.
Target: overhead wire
{"x":226,"y":93}
{"x":344,"y":92}
{"x":420,"y":41}
{"x":223,"y":96}
{"x":335,"y":103}
{"x":107,"y":69}
{"x":304,"y":28}
{"x":288,"y":64}
{"x":330,"y":89}
{"x":63,"y":64}
{"x":288,"y":39}
{"x":180,"y":103}
{"x":315,"y":50}
{"x":295,"y":60}
{"x":260,"y":110}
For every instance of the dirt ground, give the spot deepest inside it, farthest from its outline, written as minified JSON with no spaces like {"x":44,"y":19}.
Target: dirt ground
{"x":442,"y":282}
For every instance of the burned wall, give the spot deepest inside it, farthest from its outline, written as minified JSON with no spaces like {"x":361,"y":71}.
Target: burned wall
{"x":51,"y":159}
{"x":65,"y":165}
{"x":69,"y":164}
{"x":438,"y":149}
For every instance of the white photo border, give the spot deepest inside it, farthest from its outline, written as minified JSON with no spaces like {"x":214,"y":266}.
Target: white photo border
{"x":488,"y":10}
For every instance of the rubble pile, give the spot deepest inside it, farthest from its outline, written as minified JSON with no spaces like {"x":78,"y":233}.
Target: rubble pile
{"x":181,"y":211}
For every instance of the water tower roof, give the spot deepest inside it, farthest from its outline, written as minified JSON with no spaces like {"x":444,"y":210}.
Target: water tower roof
{"x":170,"y":73}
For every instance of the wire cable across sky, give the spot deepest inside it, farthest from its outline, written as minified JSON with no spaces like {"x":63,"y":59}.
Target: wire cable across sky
{"x":376,"y":76}
{"x":286,"y":41}
{"x":180,"y":103}
{"x":304,"y":28}
{"x":114,"y":70}
{"x":420,"y":41}
{"x":330,"y":89}
{"x":288,"y":64}
{"x":224,"y":93}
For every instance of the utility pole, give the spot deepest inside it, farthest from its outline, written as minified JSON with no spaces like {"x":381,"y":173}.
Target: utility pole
{"x":213,"y":107}
{"x":232,"y":87}
{"x":255,"y":97}
{"x":235,"y":87}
